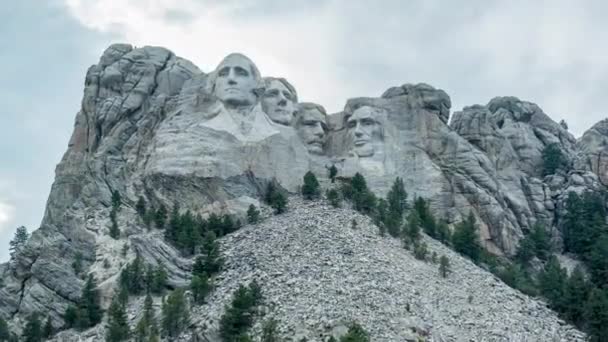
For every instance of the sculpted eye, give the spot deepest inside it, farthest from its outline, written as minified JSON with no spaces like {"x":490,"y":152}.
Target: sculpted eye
{"x":367,"y":122}
{"x":272,"y":93}
{"x":241,"y":72}
{"x":287,"y":95}
{"x":351,"y":124}
{"x":224,"y":72}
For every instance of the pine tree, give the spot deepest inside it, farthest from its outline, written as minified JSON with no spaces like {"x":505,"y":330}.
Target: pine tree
{"x":238,"y":317}
{"x":253,"y":214}
{"x":333,"y":172}
{"x":526,"y":250}
{"x":161,"y":217}
{"x":333,"y":197}
{"x":596,"y":314}
{"x":48,"y":329}
{"x":575,"y":293}
{"x":420,"y":251}
{"x":71,"y":316}
{"x":443,"y":232}
{"x":118,"y":327}
{"x":200,"y":287}
{"x":18,"y":241}
{"x":116,"y":200}
{"x":412,"y":228}
{"x":598,"y":260}
{"x":541,"y":240}
{"x":279,"y":202}
{"x":159,"y":279}
{"x":33,"y":329}
{"x":310,"y":188}
{"x":114,"y":230}
{"x":175,"y":314}
{"x":5,"y":334}
{"x":89,"y":307}
{"x":465,"y":238}
{"x":444,"y":266}
{"x":269,"y":331}
{"x":553,"y":159}
{"x":355,"y":333}
{"x":77,"y":264}
{"x":397,"y":198}
{"x":147,"y":329}
{"x":551,"y":283}
{"x":140,"y":207}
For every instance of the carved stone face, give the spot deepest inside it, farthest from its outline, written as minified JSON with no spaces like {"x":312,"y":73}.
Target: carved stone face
{"x":365,"y":131}
{"x":236,"y":81}
{"x":311,"y":128}
{"x":279,"y":103}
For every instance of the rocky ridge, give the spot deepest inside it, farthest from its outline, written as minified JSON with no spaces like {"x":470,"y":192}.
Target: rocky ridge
{"x":152,"y":124}
{"x":318,"y":275}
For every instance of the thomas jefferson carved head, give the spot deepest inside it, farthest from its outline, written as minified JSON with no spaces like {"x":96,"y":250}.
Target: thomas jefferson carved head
{"x":365,"y":130}
{"x":311,"y":126}
{"x":279,"y":100}
{"x":236,"y":81}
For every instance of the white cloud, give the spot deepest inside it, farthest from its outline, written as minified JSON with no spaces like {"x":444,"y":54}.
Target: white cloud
{"x":7,"y":213}
{"x":549,"y":52}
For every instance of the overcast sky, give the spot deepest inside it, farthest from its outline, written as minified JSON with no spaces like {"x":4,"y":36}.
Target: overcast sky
{"x":553,"y":53}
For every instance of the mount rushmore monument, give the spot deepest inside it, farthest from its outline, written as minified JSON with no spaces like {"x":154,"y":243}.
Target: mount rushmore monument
{"x":152,"y":124}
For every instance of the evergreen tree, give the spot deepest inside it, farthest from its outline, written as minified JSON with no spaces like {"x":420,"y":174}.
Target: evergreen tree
{"x":465,"y":240}
{"x":18,"y":241}
{"x":140,"y":207}
{"x":598,"y":260}
{"x":175,"y":314}
{"x":443,"y":232}
{"x":200,"y":287}
{"x":355,"y":333}
{"x":310,"y":188}
{"x":33,"y":329}
{"x":48,"y":329}
{"x":159,"y":280}
{"x":333,"y":197}
{"x":71,"y":317}
{"x":551,"y":283}
{"x":420,"y":251}
{"x":116,"y":200}
{"x":118,"y":327}
{"x":412,"y":227}
{"x":77,"y":264}
{"x":114,"y":230}
{"x":444,"y":266}
{"x":147,"y":329}
{"x":238,"y":317}
{"x":363,"y":199}
{"x":333,"y":172}
{"x":253,"y":214}
{"x":596,"y":314}
{"x":526,"y":250}
{"x":516,"y":277}
{"x":397,"y":198}
{"x":161,"y":217}
{"x":270,"y":190}
{"x":553,"y":159}
{"x":5,"y":334}
{"x":575,"y":293}
{"x":133,"y":277}
{"x":89,"y":307}
{"x":269,"y":331}
{"x":279,"y":202}
{"x":542,"y":241}
{"x":211,"y":261}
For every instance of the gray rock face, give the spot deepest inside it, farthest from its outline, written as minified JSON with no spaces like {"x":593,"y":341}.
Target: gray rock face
{"x":317,"y":275}
{"x":153,"y":125}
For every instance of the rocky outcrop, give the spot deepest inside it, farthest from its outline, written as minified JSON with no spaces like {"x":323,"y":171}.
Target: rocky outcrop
{"x":318,"y":275}
{"x":152,"y":124}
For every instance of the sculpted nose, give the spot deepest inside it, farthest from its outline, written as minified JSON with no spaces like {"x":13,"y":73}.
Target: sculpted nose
{"x":358,"y":130}
{"x":319,"y":130}
{"x":282,"y":102}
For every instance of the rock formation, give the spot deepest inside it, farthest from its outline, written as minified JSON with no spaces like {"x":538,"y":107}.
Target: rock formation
{"x":152,"y":124}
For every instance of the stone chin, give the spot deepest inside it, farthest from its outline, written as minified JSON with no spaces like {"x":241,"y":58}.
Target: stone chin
{"x":315,"y":148}
{"x":280,"y":116}
{"x":364,"y":150}
{"x":236,"y":97}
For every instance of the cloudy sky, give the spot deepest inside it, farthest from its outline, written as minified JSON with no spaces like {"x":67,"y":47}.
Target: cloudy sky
{"x":553,"y":53}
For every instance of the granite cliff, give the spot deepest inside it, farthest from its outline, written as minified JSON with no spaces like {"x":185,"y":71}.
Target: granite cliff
{"x":152,"y":124}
